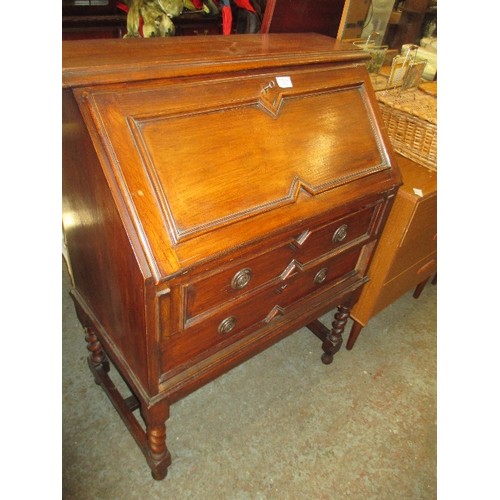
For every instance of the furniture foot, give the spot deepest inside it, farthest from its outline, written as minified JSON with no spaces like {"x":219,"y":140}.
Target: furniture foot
{"x":353,"y":336}
{"x":332,"y":339}
{"x":419,"y":288}
{"x":435,"y":279}
{"x":326,"y":358}
{"x":158,"y":475}
{"x":157,"y":454}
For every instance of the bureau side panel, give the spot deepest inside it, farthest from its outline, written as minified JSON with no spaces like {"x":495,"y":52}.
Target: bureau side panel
{"x":107,"y":277}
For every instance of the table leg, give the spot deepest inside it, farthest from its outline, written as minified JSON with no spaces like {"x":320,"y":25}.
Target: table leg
{"x":355,"y":330}
{"x":419,"y":288}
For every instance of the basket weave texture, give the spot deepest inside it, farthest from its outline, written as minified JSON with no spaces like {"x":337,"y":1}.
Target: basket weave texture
{"x":411,"y":121}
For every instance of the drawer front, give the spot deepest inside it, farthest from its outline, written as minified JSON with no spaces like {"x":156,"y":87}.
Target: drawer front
{"x":420,"y":238}
{"x":336,"y":235}
{"x":406,"y":281}
{"x":237,"y":318}
{"x":236,"y":281}
{"x":304,"y":248}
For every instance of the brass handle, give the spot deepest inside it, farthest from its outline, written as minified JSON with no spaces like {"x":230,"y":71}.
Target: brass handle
{"x":320,"y":276}
{"x":226,"y":325}
{"x":241,"y":279}
{"x":340,"y":234}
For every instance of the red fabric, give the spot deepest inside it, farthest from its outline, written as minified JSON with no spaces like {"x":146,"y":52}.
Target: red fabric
{"x":227,"y":20}
{"x":244,"y":4}
{"x":198,"y":4}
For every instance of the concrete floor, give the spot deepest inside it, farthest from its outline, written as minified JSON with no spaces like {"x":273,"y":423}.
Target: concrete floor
{"x":280,"y":426}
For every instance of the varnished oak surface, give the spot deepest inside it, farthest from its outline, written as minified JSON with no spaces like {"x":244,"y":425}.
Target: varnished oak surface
{"x":218,"y":194}
{"x":84,"y":62}
{"x":242,"y":170}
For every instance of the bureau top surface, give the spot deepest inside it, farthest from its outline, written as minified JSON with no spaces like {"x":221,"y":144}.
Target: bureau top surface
{"x":86,"y":62}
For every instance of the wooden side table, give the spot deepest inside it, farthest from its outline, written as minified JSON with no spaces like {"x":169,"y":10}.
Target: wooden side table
{"x":406,"y":256}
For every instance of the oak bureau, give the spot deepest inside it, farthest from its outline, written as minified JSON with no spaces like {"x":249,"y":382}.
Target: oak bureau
{"x":219,"y":193}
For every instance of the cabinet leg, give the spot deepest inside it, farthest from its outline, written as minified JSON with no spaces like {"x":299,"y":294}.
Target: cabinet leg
{"x":353,"y":336}
{"x":419,"y":288}
{"x":435,"y":279}
{"x":97,"y":356}
{"x":151,"y":441}
{"x":158,"y":456}
{"x":333,"y":340}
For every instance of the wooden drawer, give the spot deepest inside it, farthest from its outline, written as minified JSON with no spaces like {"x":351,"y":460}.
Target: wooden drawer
{"x":405,"y":281}
{"x":420,"y":238}
{"x":335,"y":236}
{"x":306,"y":247}
{"x":236,"y":318}
{"x":242,"y":278}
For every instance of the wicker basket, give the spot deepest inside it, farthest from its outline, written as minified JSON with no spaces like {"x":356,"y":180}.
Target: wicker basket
{"x":411,"y":121}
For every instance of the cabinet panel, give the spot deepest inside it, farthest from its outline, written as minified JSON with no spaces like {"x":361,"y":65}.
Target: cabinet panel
{"x":237,"y":135}
{"x":419,"y":238}
{"x":407,"y":280}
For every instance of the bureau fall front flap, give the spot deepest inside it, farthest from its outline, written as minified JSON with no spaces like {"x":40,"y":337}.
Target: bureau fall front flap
{"x":216,"y":161}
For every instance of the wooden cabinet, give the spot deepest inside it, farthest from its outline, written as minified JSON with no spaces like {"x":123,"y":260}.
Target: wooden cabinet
{"x":315,"y":16}
{"x":218,"y":194}
{"x":196,"y":23}
{"x":409,"y":24}
{"x":92,"y":19}
{"x":407,"y":253}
